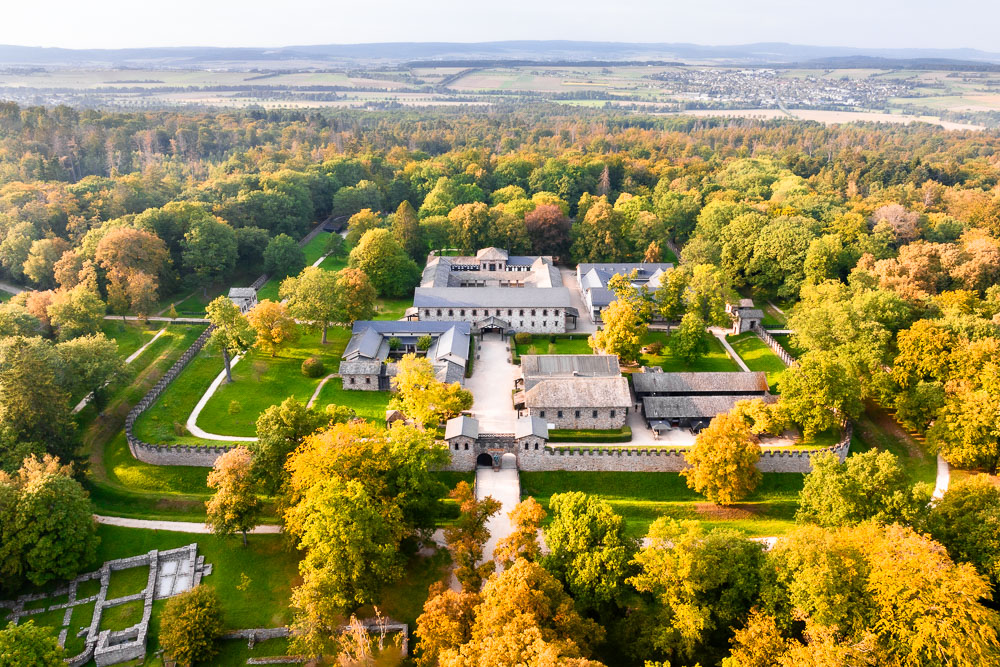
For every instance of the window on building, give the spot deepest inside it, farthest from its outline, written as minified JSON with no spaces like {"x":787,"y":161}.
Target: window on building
{"x":473,"y":313}
{"x":612,"y":414}
{"x":509,"y":312}
{"x":526,"y":445}
{"x":536,"y":446}
{"x":439,"y":312}
{"x":559,"y":414}
{"x":577,"y":414}
{"x":466,"y":446}
{"x":353,"y":380}
{"x":594,"y":414}
{"x":521,"y":313}
{"x":462,"y":312}
{"x":450,"y":312}
{"x":532,"y":311}
{"x":541,"y":413}
{"x":368,"y":380}
{"x":545,"y":311}
{"x":555,"y":311}
{"x":544,"y":324}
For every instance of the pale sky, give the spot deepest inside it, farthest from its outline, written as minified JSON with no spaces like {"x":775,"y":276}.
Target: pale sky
{"x":137,"y":23}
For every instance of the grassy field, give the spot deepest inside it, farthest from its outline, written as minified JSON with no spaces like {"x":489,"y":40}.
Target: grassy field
{"x":643,"y":497}
{"x":130,"y":336}
{"x":370,"y":405}
{"x":877,"y":429}
{"x":716,"y":360}
{"x":5,"y":296}
{"x":260,"y":381}
{"x":785,"y":341}
{"x":758,"y":357}
{"x":194,"y":305}
{"x":392,"y":309}
{"x":553,"y":345}
{"x":312,"y":251}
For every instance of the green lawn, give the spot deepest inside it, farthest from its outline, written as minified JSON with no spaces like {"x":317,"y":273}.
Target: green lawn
{"x":716,"y":360}
{"x":871,"y":431}
{"x":316,"y":247}
{"x":127,"y":582}
{"x":313,"y":251}
{"x":260,"y":381}
{"x":758,"y":357}
{"x":334,"y":262}
{"x":130,"y":336}
{"x":785,"y":341}
{"x":392,"y":309}
{"x":370,"y":405}
{"x":5,"y":296}
{"x":643,"y":497}
{"x":542,"y":344}
{"x":772,"y":318}
{"x":194,"y":305}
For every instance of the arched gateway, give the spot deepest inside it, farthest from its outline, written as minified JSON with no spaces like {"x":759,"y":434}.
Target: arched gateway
{"x":469,"y":448}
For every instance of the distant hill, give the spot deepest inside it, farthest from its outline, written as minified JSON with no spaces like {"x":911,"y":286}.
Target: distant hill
{"x":534,"y":51}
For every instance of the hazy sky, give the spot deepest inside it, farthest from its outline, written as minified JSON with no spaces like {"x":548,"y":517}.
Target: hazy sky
{"x":865,"y":23}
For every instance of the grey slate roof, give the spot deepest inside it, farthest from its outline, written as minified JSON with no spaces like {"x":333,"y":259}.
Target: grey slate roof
{"x":750,"y":313}
{"x":526,"y":426}
{"x":449,"y":372}
{"x":605,"y":271}
{"x":369,"y":339}
{"x":491,"y":297}
{"x":242,"y":292}
{"x":538,"y":367}
{"x":600,"y":392}
{"x":360,"y":367}
{"x":462,"y":425}
{"x":699,"y":383}
{"x":692,"y":407}
{"x":492,"y":253}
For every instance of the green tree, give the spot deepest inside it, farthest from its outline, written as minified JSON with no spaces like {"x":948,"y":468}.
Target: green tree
{"x":392,"y":273}
{"x":622,"y":332}
{"x":232,"y":334}
{"x":76,"y":312}
{"x":406,"y":231}
{"x":689,"y":341}
{"x":819,"y":392}
{"x":29,"y":645}
{"x":966,"y":520}
{"x":870,"y":486}
{"x":312,"y":297}
{"x":280,"y":429}
{"x":422,"y":397}
{"x":722,"y":464}
{"x":191,"y":625}
{"x":355,"y":296}
{"x":360,"y":223}
{"x":283,"y":256}
{"x":468,"y":535}
{"x":39,"y":267}
{"x":92,"y":364}
{"x":208,"y":251}
{"x":702,"y":583}
{"x":589,"y":551}
{"x":600,"y":236}
{"x":234,"y":507}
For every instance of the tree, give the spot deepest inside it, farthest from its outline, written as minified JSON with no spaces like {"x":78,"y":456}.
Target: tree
{"x":391,"y":271}
{"x":232,"y":332}
{"x":467,"y":536}
{"x":92,"y":364}
{"x":208,"y":250}
{"x":702,"y":583}
{"x":124,"y":251}
{"x":283,"y":256}
{"x":599,"y":237}
{"x":525,"y":618}
{"x":274,"y":327}
{"x":250,"y":245}
{"x":622,"y":332}
{"x":445,"y":624}
{"x":355,"y":296}
{"x":966,"y":431}
{"x":870,"y":486}
{"x":406,"y":231}
{"x":360,"y":223}
{"x":76,"y":312}
{"x":689,"y":340}
{"x":549,"y":230}
{"x":312,"y":297}
{"x":29,"y":645}
{"x":723,"y":461}
{"x":422,"y":397}
{"x":34,"y":402}
{"x":589,"y":551}
{"x":280,"y":429}
{"x":141,"y":290}
{"x":234,"y":506}
{"x":966,"y":520}
{"x":191,"y":624}
{"x":819,"y":392}
{"x":522,"y":542}
{"x":50,"y":533}
{"x":39,"y":267}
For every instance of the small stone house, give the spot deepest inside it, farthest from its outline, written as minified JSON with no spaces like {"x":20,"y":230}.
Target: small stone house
{"x":600,"y":403}
{"x":244,"y":297}
{"x":745,"y":316}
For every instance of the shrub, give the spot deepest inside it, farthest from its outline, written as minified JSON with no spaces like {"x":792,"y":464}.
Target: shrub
{"x":587,"y":435}
{"x":522,"y":338}
{"x":235,"y":407}
{"x":313,"y":367}
{"x":394,"y":343}
{"x":190,"y":625}
{"x":553,"y":349}
{"x":424,"y":343}
{"x":654,"y":348}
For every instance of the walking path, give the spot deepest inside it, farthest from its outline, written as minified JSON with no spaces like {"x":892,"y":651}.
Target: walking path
{"x":583,"y":323}
{"x":780,"y":331}
{"x":504,"y":486}
{"x":12,"y":289}
{"x":720,"y":333}
{"x":154,"y":318}
{"x":132,"y":357}
{"x":175,"y":526}
{"x":319,"y":388}
{"x":491,"y":383}
{"x":771,"y":303}
{"x":943,"y":479}
{"x":192,"y":420}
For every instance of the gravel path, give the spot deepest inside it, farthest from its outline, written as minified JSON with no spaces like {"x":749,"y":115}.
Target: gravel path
{"x":721,"y":335}
{"x":174,"y":526}
{"x":502,"y":485}
{"x":192,"y":420}
{"x":12,"y":289}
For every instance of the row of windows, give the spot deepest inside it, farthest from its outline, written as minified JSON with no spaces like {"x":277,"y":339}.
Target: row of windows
{"x":486,"y":312}
{"x":526,"y":446}
{"x":368,"y":380}
{"x":577,"y":413}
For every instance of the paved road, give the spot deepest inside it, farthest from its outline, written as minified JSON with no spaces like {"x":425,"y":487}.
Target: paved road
{"x":583,"y":324}
{"x":502,"y":485}
{"x":174,"y":526}
{"x":943,"y":479}
{"x":491,"y":384}
{"x":192,"y":420}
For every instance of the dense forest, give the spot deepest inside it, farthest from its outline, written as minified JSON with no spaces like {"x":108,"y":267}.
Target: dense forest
{"x":882,"y":240}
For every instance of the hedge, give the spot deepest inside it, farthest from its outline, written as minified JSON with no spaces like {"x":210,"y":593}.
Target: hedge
{"x":591,"y":435}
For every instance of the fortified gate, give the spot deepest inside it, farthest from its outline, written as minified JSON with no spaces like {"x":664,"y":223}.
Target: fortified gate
{"x":469,"y":448}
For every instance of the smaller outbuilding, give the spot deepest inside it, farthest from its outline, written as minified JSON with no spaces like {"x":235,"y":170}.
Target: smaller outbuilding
{"x":244,"y":297}
{"x":745,"y":316}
